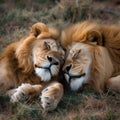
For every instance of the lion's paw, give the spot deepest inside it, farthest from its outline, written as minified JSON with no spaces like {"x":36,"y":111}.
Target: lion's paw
{"x":48,"y":100}
{"x":20,"y":94}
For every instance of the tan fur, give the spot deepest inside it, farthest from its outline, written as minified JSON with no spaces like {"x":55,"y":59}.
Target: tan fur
{"x":105,"y":43}
{"x":17,"y":67}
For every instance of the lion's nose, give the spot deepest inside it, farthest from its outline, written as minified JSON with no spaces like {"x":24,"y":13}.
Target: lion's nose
{"x":67,"y":68}
{"x":52,"y":60}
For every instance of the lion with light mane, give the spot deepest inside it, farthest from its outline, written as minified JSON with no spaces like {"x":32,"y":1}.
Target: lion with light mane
{"x":93,"y":56}
{"x":29,"y":67}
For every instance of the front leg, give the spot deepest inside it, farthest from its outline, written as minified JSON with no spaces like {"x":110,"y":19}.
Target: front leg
{"x":51,"y":96}
{"x":25,"y":91}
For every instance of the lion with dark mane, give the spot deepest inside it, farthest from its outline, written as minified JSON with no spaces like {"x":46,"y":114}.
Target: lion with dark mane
{"x":29,"y":67}
{"x":93,"y":56}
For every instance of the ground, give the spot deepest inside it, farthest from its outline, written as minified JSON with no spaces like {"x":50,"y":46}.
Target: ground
{"x":16,"y":18}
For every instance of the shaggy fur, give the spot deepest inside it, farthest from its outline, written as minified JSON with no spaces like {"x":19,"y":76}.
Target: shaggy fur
{"x":19,"y":61}
{"x":103,"y":42}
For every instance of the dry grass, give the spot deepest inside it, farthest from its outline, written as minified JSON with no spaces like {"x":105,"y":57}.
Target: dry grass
{"x":16,"y":19}
{"x":74,"y":106}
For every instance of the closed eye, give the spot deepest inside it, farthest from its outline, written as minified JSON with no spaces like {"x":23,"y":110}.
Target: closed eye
{"x":76,"y":54}
{"x":47,"y":46}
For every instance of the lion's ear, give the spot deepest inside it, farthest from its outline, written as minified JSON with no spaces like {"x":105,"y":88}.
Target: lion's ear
{"x":95,"y":36}
{"x":38,"y":28}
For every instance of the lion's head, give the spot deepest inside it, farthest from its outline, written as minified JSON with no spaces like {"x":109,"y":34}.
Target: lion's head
{"x":78,"y":64}
{"x":42,"y":54}
{"x":46,"y":58}
{"x":92,"y":54}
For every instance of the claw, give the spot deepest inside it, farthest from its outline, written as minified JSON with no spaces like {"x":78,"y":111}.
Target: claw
{"x":48,"y":102}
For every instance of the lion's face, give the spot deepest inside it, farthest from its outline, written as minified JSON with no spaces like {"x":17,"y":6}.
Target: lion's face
{"x":78,"y":64}
{"x":47,"y":57}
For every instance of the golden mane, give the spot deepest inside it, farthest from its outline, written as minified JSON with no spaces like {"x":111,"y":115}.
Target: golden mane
{"x":105,"y":40}
{"x":88,"y":31}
